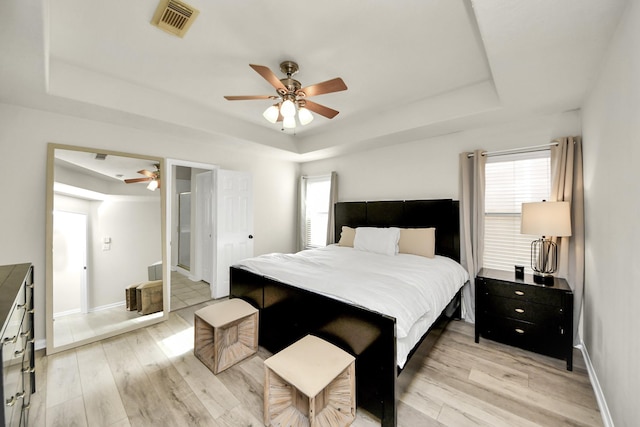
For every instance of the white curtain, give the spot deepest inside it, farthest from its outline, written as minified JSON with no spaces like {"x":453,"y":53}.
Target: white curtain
{"x":333,"y":199}
{"x":567,"y":185}
{"x":302,"y":214}
{"x":471,"y":190}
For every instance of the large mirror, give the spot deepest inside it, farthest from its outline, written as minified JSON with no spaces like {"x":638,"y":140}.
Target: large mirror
{"x":105,"y":240}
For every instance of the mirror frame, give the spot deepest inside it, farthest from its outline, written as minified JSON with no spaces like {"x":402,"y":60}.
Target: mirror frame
{"x":51,"y":348}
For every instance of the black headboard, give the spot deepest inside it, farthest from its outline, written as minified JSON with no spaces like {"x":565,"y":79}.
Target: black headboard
{"x":443,"y":214}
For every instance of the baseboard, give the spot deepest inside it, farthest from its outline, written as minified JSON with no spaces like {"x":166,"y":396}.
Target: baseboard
{"x":107,"y":306}
{"x":607,"y":421}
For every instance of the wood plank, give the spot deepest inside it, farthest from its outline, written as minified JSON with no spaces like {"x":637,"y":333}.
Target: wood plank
{"x":101,"y":397}
{"x":63,"y":378}
{"x":141,"y":401}
{"x":68,"y":413}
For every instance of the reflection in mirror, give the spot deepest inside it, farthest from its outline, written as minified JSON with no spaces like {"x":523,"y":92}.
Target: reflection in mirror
{"x":191,"y":251}
{"x":104,"y":241}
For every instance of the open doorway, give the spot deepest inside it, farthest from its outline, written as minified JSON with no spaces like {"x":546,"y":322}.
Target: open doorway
{"x":188,"y":284}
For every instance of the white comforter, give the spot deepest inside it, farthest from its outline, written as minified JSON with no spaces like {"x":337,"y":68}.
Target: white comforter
{"x":407,"y":287}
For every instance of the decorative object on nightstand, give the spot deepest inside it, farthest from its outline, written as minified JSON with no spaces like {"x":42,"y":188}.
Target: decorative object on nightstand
{"x":546,"y":219}
{"x":525,"y":314}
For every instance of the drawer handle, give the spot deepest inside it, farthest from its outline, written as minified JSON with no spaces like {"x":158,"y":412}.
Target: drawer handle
{"x":11,"y":340}
{"x":519,"y":310}
{"x":19,"y":353}
{"x":519,"y":293}
{"x":14,"y":399}
{"x":28,"y":370}
{"x":520,"y":331}
{"x":21,"y":306}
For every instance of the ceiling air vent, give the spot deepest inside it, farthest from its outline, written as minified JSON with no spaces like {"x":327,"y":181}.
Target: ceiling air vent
{"x":101,"y":156}
{"x":174,"y":17}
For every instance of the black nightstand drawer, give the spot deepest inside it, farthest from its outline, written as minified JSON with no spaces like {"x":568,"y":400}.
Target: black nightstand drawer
{"x":525,"y":314}
{"x":545,"y":315}
{"x":528,"y":336}
{"x":524,"y":292}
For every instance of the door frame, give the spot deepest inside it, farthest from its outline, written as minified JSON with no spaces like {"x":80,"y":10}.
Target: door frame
{"x":169,"y":183}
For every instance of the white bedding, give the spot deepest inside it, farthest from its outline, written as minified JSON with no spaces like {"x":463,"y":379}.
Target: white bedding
{"x":412,"y":289}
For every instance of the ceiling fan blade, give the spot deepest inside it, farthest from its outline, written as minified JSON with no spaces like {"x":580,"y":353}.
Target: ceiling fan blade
{"x":321,"y":109}
{"x":333,"y":85}
{"x":249,"y":97}
{"x":134,"y":180}
{"x":147,"y":173}
{"x":268,"y":75}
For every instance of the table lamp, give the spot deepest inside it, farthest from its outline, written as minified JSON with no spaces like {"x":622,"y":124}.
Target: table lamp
{"x":546,"y":219}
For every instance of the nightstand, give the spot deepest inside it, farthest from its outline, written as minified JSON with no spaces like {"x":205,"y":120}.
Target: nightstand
{"x":525,"y":314}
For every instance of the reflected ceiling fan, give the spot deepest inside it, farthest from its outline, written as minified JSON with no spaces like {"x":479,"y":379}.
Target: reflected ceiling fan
{"x":153,"y":178}
{"x":291,"y":97}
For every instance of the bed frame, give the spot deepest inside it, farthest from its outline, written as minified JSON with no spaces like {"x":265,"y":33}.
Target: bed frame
{"x":288,"y":313}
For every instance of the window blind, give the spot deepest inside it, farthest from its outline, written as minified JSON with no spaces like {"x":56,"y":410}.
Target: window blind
{"x":316,"y":210}
{"x":511,"y":180}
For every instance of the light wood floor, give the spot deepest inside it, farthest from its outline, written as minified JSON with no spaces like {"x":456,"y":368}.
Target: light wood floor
{"x":151,"y":378}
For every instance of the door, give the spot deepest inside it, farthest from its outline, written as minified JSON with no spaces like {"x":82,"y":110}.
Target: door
{"x":184,"y":230}
{"x":69,"y":263}
{"x":234,"y":224}
{"x":205,"y":247}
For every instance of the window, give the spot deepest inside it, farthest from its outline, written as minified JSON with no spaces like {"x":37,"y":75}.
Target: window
{"x":511,"y":180}
{"x":316,"y":210}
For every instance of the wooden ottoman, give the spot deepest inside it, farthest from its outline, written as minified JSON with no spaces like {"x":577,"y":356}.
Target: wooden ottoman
{"x":310,"y":383}
{"x":149,"y":297}
{"x":130,"y":296}
{"x":225,"y":333}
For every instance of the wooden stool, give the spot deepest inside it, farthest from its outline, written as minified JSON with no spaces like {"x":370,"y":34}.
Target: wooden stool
{"x":149,"y":297}
{"x":130,"y":296}
{"x":310,"y":383}
{"x":225,"y":333}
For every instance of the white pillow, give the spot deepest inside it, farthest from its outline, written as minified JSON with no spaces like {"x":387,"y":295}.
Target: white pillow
{"x":379,"y":240}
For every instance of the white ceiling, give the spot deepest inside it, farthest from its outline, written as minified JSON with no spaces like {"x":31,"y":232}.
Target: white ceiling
{"x":414,"y":69}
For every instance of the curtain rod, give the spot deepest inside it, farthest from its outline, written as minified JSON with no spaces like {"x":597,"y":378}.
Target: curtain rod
{"x":517,"y":150}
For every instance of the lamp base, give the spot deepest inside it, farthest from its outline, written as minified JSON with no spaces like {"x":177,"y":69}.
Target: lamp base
{"x":546,"y":279}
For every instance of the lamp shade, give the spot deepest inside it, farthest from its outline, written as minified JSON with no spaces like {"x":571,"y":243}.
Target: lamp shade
{"x":271,"y":113}
{"x":288,"y":109}
{"x":546,"y":219}
{"x":289,"y":122}
{"x":304,"y":116}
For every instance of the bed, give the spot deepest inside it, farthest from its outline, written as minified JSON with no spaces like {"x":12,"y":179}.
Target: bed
{"x":288,"y":311}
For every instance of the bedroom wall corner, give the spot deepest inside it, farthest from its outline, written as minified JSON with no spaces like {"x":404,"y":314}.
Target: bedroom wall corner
{"x":611,"y":132}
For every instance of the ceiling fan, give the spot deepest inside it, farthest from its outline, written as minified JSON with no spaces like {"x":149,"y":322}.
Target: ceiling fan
{"x":153,"y":178}
{"x":292,"y":97}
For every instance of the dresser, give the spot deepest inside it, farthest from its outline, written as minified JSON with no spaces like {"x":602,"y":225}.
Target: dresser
{"x":525,"y":314}
{"x":17,"y":338}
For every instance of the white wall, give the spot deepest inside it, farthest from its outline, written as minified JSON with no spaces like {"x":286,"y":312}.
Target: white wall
{"x":429,"y":168}
{"x":24,"y":134}
{"x":611,"y":119}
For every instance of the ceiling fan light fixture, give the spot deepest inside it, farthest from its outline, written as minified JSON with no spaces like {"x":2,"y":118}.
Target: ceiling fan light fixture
{"x":288,"y":109}
{"x":153,"y":184}
{"x":304,"y":116}
{"x":289,"y":122}
{"x":271,"y":113}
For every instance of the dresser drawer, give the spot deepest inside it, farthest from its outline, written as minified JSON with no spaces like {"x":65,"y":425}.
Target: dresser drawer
{"x":524,"y":292}
{"x":527,"y":311}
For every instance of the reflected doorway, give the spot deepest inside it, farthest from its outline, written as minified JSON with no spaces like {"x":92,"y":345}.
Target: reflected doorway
{"x":184,"y":230}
